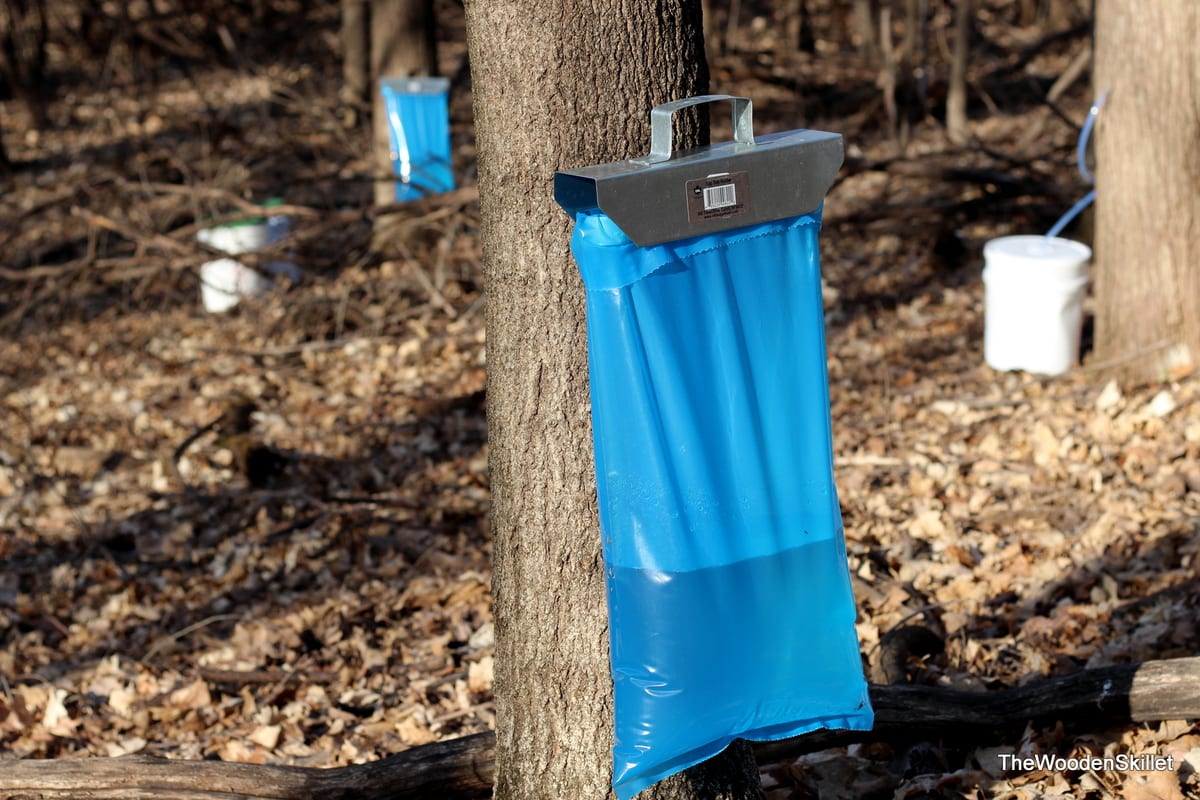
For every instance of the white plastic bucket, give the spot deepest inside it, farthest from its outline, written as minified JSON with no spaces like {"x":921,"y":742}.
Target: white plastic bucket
{"x":1033,"y":302}
{"x":225,"y":281}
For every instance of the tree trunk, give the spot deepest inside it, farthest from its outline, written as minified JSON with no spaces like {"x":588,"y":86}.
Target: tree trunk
{"x":1027,"y":12}
{"x":956,"y":95}
{"x":866,"y":23}
{"x":5,"y":163}
{"x":1147,"y":273}
{"x":559,"y":83}
{"x":24,"y":32}
{"x":403,"y":44}
{"x":1060,"y":14}
{"x":913,"y":81}
{"x":712,"y":35}
{"x":356,"y":54}
{"x":798,"y":26}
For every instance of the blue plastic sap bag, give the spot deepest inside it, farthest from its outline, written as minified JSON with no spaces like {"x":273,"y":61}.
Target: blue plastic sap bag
{"x":419,"y":129}
{"x":730,"y":608}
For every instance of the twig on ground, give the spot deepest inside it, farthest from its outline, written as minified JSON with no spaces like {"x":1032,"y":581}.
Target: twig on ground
{"x":190,"y":629}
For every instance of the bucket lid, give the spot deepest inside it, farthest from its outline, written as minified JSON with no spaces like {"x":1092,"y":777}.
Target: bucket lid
{"x":669,"y":195}
{"x":245,"y":222}
{"x":1038,"y":252}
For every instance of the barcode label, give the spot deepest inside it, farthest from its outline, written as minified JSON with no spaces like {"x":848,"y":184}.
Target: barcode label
{"x":720,"y":197}
{"x":717,"y":196}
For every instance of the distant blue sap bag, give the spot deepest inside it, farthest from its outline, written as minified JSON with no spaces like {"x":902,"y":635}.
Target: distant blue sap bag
{"x":418,"y":118}
{"x":729,"y":597}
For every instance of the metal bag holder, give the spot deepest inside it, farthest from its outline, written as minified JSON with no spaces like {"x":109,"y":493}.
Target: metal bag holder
{"x":668,"y":195}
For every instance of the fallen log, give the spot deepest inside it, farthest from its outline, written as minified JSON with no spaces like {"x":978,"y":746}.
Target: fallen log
{"x":1090,"y":699}
{"x":458,"y":768}
{"x":463,"y":768}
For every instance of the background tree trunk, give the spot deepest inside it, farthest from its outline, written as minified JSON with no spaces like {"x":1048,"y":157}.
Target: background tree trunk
{"x":1147,"y":273}
{"x":1027,"y":12}
{"x":403,"y":44}
{"x":799,"y":27}
{"x":913,"y":80}
{"x":956,"y":94}
{"x":24,"y":31}
{"x":559,"y":83}
{"x":866,"y":24}
{"x":712,"y":35}
{"x":5,"y":163}
{"x":356,"y":54}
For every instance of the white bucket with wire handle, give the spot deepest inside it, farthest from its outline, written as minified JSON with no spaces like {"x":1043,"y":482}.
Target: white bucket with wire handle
{"x":1033,"y":302}
{"x":225,"y":281}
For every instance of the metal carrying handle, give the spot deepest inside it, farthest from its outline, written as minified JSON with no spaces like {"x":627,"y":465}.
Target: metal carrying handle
{"x":661,"y":139}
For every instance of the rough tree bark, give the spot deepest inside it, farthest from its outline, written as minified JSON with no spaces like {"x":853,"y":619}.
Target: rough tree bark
{"x":1147,"y":260}
{"x":560,"y":83}
{"x":403,"y":44}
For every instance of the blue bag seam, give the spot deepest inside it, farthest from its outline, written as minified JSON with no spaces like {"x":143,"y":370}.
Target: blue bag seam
{"x":677,"y":256}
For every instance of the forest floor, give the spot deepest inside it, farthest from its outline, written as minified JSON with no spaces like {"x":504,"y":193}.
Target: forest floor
{"x":329,"y":603}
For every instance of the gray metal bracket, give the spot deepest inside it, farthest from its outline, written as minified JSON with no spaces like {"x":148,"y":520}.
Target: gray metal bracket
{"x":658,"y":197}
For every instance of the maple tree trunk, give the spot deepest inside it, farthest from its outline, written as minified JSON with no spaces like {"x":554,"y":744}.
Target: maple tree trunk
{"x":403,"y":44}
{"x":1147,"y":259}
{"x":557,"y":84}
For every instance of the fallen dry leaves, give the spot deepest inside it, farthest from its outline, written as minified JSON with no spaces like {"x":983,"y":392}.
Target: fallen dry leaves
{"x":343,"y":613}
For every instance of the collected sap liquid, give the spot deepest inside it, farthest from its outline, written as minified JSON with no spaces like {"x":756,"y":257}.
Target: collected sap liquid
{"x":761,"y":649}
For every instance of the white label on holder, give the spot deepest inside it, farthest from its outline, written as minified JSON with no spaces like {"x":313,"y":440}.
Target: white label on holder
{"x":718,"y":196}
